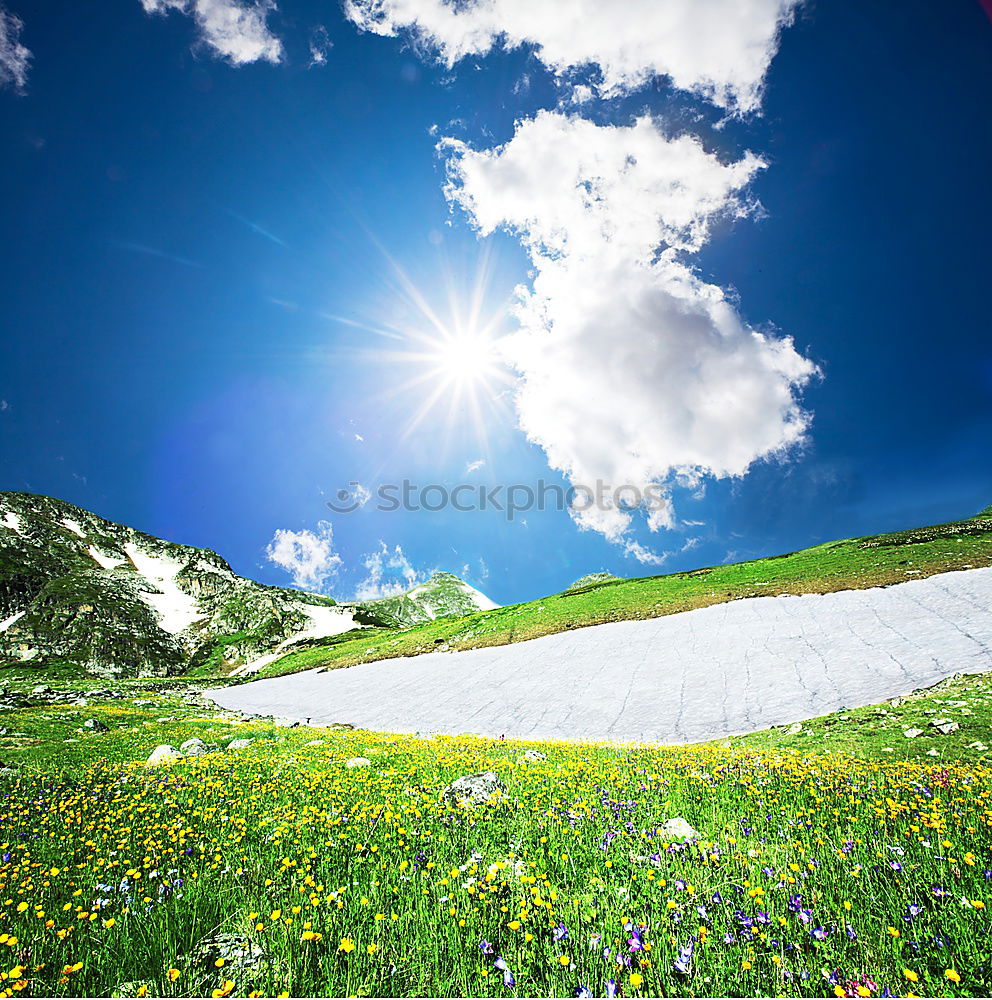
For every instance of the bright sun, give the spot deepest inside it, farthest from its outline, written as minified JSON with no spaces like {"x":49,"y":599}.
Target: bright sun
{"x":449,"y":340}
{"x":465,"y":357}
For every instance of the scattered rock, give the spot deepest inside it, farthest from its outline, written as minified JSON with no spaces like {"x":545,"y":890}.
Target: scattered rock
{"x":41,"y":689}
{"x":240,"y":954}
{"x":281,"y":722}
{"x":945,"y":726}
{"x":95,"y":726}
{"x":241,"y":744}
{"x":678,"y":829}
{"x":911,"y":734}
{"x":317,"y":743}
{"x":163,"y":754}
{"x":194,"y":747}
{"x":358,"y":762}
{"x":795,"y":729}
{"x":977,"y":745}
{"x":474,"y":790}
{"x":933,"y":753}
{"x":531,"y":756}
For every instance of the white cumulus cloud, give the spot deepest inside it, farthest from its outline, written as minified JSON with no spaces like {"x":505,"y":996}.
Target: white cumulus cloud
{"x":719,"y":49}
{"x":236,"y":30}
{"x":388,"y":572}
{"x":633,"y":369}
{"x":14,"y":57}
{"x":308,"y":556}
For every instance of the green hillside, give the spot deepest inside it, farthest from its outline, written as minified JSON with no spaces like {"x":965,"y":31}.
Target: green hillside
{"x":851,"y":564}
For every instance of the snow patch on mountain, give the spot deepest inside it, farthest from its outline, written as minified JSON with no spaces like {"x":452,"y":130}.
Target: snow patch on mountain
{"x":175,"y":608}
{"x":12,"y":521}
{"x":7,"y":622}
{"x":104,"y":561}
{"x":324,"y":622}
{"x":74,"y":526}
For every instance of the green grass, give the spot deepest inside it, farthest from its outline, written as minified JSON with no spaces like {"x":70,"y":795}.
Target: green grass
{"x":130,"y":871}
{"x":853,"y":564}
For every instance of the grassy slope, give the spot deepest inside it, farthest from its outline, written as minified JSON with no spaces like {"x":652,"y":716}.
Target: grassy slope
{"x":269,"y":842}
{"x":853,"y":564}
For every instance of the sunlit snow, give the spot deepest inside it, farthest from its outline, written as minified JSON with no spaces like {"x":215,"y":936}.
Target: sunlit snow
{"x":699,"y":675}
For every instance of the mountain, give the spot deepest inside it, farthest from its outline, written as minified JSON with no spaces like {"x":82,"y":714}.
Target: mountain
{"x":443,"y":595}
{"x":591,"y":580}
{"x":79,"y":591}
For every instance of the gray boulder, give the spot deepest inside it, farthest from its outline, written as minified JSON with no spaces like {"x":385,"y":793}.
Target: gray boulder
{"x":474,"y":790}
{"x":241,"y":744}
{"x":163,"y":754}
{"x":95,"y":726}
{"x":911,"y":734}
{"x":194,"y":747}
{"x":358,"y":762}
{"x":281,"y":722}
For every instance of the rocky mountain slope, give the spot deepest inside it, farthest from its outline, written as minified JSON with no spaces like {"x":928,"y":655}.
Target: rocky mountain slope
{"x":443,"y":595}
{"x":78,"y":591}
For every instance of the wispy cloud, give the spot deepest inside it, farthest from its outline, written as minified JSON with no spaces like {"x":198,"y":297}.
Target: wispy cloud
{"x":320,"y":45}
{"x":388,"y":573}
{"x":234,"y":30}
{"x":14,"y":57}
{"x":155,"y":252}
{"x":255,"y":227}
{"x":475,"y":466}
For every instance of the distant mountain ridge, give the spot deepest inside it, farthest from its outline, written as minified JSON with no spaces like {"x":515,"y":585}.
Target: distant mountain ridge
{"x":442,"y":595}
{"x":81,"y":590}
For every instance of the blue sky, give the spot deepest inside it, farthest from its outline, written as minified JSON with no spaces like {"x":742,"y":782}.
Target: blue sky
{"x":209,"y":298}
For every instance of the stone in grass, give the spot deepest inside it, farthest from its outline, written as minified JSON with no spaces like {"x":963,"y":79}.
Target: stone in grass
{"x":240,"y":954}
{"x":474,"y":790}
{"x":531,"y":757}
{"x":95,"y":726}
{"x":678,"y":829}
{"x":316,"y":743}
{"x":282,"y":722}
{"x":795,"y":729}
{"x":241,"y":744}
{"x":358,"y":762}
{"x":194,"y":747}
{"x":911,"y":734}
{"x":163,"y":754}
{"x":945,"y":726}
{"x":977,"y":745}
